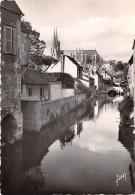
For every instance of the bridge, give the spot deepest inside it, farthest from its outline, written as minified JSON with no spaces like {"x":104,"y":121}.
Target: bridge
{"x":114,"y":90}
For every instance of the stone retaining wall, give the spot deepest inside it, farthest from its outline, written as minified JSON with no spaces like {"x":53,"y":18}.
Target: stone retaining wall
{"x":37,"y":114}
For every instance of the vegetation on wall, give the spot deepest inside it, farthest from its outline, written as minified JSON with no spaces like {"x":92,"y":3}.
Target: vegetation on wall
{"x":66,"y":79}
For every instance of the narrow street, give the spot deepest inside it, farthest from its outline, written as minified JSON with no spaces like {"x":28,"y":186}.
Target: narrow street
{"x":85,"y":151}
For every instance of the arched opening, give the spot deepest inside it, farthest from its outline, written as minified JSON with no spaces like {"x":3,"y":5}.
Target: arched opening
{"x":112,"y":93}
{"x":8,"y":129}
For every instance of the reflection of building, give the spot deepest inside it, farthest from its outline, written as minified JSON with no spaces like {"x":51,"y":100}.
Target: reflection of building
{"x":12,"y":172}
{"x":79,"y":127}
{"x":127,"y":138}
{"x":125,"y":108}
{"x":67,"y":137}
{"x":90,"y":110}
{"x":34,"y":177}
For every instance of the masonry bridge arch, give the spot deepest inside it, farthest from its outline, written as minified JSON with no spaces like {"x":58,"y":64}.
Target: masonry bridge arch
{"x":112,"y":91}
{"x":9,"y":128}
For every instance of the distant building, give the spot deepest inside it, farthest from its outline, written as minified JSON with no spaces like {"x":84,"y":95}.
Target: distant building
{"x":84,"y":58}
{"x":131,"y":79}
{"x":69,"y":66}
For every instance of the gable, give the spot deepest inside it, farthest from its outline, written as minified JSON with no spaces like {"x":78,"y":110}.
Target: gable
{"x":74,"y":62}
{"x":12,"y":6}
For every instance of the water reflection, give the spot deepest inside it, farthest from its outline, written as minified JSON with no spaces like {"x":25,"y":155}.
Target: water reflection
{"x":81,"y":152}
{"x":127,"y":138}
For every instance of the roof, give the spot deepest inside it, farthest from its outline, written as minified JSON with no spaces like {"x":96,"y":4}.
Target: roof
{"x":90,"y":52}
{"x":133,"y":44}
{"x":89,"y":77}
{"x":131,"y":60}
{"x":12,"y":6}
{"x":73,"y":60}
{"x":79,"y":82}
{"x":35,"y":77}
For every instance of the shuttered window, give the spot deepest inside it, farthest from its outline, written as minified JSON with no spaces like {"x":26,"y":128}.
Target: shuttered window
{"x":41,"y":92}
{"x":14,"y":41}
{"x":29,"y":91}
{"x":10,"y":39}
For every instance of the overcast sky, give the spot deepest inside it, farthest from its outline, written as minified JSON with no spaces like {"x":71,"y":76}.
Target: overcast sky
{"x":107,"y":25}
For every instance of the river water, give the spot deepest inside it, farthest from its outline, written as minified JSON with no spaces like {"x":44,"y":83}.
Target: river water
{"x":86,"y":151}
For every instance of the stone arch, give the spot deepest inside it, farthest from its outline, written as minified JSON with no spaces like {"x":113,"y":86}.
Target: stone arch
{"x":8,"y":129}
{"x":112,"y":92}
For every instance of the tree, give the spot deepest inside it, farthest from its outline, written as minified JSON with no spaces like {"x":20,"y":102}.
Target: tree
{"x":37,"y":46}
{"x":119,"y":66}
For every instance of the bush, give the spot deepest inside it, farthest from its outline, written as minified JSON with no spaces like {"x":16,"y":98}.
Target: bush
{"x":66,"y":79}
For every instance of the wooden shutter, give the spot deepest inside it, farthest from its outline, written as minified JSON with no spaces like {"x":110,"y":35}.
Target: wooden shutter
{"x":8,"y":39}
{"x":14,"y":40}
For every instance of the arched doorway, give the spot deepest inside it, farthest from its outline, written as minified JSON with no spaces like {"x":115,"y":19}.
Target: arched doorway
{"x":8,"y":129}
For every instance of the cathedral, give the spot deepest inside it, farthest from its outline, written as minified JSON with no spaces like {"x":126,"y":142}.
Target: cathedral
{"x":82,"y":57}
{"x":55,"y":49}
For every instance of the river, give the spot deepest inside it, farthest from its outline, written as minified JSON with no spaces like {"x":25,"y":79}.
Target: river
{"x":86,"y":151}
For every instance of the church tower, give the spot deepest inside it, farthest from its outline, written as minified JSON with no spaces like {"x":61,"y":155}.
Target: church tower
{"x":55,"y":49}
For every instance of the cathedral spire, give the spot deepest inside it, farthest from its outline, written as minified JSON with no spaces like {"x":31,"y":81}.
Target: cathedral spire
{"x":54,"y":38}
{"x":56,"y":34}
{"x":55,"y":49}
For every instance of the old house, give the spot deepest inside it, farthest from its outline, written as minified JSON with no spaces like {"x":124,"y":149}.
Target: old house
{"x":127,"y":106}
{"x":69,"y":65}
{"x":37,"y":87}
{"x":11,"y":71}
{"x":131,"y":80}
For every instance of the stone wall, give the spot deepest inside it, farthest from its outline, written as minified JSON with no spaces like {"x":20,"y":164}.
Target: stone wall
{"x":11,"y":71}
{"x":37,"y":114}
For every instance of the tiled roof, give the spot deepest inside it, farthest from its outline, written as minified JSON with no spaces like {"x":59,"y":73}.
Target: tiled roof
{"x":35,"y":77}
{"x":11,"y":5}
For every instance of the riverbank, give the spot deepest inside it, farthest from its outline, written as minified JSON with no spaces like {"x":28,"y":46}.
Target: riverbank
{"x":36,"y":114}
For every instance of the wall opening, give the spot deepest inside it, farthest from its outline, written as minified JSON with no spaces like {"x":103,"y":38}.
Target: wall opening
{"x":8,"y":129}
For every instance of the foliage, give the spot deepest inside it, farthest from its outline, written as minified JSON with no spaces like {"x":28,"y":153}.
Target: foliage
{"x":37,"y":46}
{"x":66,"y":79}
{"x":44,"y":60}
{"x":120,"y":66}
{"x":84,"y":89}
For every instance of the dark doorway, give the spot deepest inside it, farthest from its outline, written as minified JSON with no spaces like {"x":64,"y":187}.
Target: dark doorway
{"x":8,"y":129}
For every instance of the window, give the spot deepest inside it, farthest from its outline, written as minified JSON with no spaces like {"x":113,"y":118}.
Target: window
{"x":29,"y":91}
{"x":41,"y":92}
{"x":9,"y":44}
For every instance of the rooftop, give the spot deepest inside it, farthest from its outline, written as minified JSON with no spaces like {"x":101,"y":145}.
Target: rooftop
{"x":12,"y":6}
{"x":73,"y":60}
{"x":35,"y":77}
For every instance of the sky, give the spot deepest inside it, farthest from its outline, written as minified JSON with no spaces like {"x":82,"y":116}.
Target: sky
{"x":105,"y":25}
